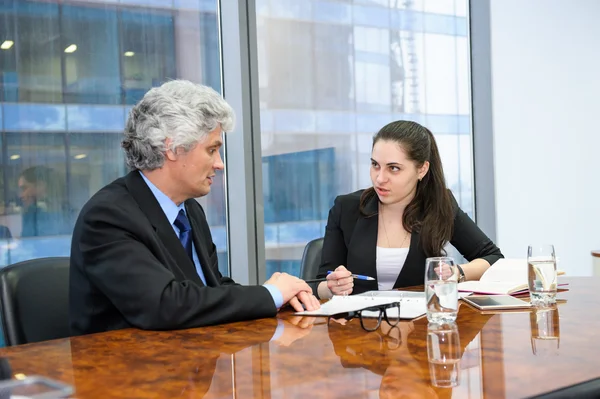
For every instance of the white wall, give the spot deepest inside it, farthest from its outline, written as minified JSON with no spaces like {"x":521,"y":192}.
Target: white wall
{"x":546,"y":109}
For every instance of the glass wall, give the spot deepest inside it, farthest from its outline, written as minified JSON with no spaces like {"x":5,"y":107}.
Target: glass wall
{"x":331,"y":74}
{"x":69,"y":72}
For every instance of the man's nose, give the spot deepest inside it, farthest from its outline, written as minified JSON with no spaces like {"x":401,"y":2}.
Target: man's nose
{"x":219,"y":165}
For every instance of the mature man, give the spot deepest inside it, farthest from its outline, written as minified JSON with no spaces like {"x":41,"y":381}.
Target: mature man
{"x":142,"y":254}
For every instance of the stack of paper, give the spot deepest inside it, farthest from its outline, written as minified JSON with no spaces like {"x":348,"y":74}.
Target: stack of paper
{"x":410,"y":307}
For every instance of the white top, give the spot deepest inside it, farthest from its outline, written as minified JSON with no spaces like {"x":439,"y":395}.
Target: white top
{"x":390,"y":262}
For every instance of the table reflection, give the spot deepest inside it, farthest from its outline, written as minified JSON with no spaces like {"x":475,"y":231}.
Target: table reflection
{"x":443,"y":354}
{"x":544,"y":324}
{"x":400,"y":354}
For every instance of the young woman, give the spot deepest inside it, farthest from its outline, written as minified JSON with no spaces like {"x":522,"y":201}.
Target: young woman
{"x":388,"y":230}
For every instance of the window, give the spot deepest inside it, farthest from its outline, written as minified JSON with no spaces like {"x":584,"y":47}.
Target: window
{"x":69,"y":73}
{"x":39,"y":51}
{"x":331,"y":75}
{"x":92,"y":69}
{"x":148,"y":51}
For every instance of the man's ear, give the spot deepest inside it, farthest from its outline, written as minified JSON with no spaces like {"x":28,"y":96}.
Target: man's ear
{"x":169,"y":154}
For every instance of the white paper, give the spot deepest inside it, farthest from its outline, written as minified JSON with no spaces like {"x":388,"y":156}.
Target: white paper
{"x":507,"y":270}
{"x":409,"y":307}
{"x":394,"y":294}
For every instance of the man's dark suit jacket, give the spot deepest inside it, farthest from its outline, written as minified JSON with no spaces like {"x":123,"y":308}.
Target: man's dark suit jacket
{"x":129,"y":269}
{"x":351,"y":240}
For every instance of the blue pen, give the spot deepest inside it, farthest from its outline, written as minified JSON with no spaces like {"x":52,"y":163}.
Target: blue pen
{"x":358,"y":276}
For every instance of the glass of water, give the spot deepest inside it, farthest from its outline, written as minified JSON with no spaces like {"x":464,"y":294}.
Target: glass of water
{"x":541,"y":268}
{"x":443,"y":354}
{"x":441,"y":289}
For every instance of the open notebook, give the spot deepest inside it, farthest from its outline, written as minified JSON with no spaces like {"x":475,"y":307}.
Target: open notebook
{"x":506,"y":276}
{"x":410,"y":307}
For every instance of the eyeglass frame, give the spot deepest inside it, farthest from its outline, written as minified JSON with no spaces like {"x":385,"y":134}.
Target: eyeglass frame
{"x":382,"y":313}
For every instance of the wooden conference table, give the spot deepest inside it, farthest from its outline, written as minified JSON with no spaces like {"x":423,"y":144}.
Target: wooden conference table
{"x":500,"y":357}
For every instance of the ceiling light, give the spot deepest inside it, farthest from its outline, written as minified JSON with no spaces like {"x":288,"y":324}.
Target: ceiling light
{"x":15,"y":157}
{"x":129,"y":54}
{"x":7,"y":44}
{"x":80,"y":156}
{"x":71,"y":48}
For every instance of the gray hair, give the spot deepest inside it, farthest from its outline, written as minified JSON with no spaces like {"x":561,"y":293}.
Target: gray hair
{"x":183,"y":111}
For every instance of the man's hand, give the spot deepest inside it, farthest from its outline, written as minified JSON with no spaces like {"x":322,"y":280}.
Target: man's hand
{"x":308,"y":299}
{"x":294,"y":291}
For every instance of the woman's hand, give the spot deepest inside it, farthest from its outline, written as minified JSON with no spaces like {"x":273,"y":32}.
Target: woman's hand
{"x":340,"y":282}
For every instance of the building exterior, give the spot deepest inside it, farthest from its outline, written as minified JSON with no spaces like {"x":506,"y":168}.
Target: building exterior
{"x":331,"y":73}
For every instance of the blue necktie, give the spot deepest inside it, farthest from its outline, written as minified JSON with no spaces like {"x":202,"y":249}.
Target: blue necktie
{"x":185,"y":232}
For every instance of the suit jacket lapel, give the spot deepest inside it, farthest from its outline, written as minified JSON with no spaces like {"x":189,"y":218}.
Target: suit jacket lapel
{"x":201,"y":250}
{"x":363,"y":243}
{"x":412,"y":272}
{"x":412,"y":269}
{"x":140,"y":191}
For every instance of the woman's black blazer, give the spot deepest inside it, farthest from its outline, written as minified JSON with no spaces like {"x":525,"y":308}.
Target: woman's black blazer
{"x":351,"y":240}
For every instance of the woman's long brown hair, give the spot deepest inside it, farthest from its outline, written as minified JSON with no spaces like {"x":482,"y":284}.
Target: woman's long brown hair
{"x":430,"y":213}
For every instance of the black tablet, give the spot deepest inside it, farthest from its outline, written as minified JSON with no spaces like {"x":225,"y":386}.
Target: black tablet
{"x":488,"y":302}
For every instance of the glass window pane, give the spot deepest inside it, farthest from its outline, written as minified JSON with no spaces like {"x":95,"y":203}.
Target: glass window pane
{"x":148,"y":51}
{"x":328,"y":83}
{"x":92,"y":70}
{"x":8,"y":61}
{"x":37,"y":207}
{"x":40,"y":48}
{"x":72,"y":133}
{"x":94,"y":161}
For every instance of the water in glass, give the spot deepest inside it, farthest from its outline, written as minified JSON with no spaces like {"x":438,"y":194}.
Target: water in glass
{"x":442,"y":301}
{"x":541,"y":268}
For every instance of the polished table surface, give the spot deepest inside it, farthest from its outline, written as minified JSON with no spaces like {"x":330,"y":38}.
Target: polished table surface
{"x":501,"y":356}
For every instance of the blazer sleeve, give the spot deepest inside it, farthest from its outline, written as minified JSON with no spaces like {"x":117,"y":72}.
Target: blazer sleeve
{"x":117,"y":262}
{"x":335,"y":252}
{"x":469,"y":240}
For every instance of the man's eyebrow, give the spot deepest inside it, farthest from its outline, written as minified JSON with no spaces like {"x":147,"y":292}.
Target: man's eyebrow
{"x":217,"y":143}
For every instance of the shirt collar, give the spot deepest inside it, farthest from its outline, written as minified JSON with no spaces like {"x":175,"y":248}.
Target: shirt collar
{"x":169,"y":207}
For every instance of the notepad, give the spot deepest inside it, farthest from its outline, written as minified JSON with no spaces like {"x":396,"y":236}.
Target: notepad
{"x":403,"y":294}
{"x":505,"y":277}
{"x":410,"y":308}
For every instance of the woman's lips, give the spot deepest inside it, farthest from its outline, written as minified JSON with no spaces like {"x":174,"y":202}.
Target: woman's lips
{"x":382,"y":191}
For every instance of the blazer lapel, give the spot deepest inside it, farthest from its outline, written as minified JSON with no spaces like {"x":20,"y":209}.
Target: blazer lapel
{"x":140,"y":191}
{"x":201,"y":250}
{"x":412,"y":272}
{"x":363,"y":244}
{"x":413,"y":265}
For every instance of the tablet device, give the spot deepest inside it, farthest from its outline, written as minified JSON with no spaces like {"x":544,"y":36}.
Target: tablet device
{"x":489,"y":302}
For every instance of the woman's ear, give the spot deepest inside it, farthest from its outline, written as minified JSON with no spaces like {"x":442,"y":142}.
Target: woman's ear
{"x":423,"y":170}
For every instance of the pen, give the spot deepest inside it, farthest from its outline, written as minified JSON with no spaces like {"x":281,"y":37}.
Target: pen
{"x":356,"y":276}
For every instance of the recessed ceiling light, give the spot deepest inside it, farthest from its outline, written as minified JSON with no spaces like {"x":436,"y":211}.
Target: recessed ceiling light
{"x":14,"y":157}
{"x":6,"y":44}
{"x":71,"y":48}
{"x":129,"y":54}
{"x":80,"y":156}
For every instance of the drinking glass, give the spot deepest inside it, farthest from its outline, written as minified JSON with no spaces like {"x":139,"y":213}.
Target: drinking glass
{"x":441,"y":289}
{"x":541,"y":268}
